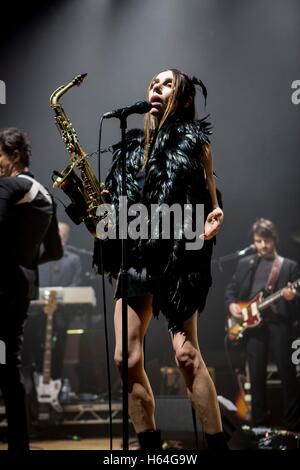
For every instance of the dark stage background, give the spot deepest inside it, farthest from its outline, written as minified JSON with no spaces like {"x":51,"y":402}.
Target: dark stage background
{"x":247,"y":54}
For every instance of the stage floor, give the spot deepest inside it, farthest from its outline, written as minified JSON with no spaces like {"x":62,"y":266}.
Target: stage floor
{"x":69,"y":444}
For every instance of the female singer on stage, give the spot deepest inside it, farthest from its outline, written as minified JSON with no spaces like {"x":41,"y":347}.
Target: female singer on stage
{"x":170,"y":162}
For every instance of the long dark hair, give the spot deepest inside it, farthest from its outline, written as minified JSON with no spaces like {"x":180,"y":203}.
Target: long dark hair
{"x":181,"y":104}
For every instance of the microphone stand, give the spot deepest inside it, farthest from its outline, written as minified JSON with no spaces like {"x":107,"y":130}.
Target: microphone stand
{"x":140,"y":108}
{"x":124,"y":287}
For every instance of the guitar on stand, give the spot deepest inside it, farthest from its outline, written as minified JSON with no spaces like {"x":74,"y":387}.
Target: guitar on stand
{"x":48,"y":390}
{"x":243,"y":399}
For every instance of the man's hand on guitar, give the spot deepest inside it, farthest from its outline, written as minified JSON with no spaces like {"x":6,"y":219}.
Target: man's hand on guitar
{"x":235,"y":311}
{"x":288,"y":292}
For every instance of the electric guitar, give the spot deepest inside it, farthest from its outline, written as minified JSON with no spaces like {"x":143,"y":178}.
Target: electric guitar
{"x":252,"y":313}
{"x":243,"y":399}
{"x":47,"y":389}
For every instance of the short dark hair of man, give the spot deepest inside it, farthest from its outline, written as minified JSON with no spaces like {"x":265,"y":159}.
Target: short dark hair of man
{"x":12,"y":140}
{"x":264,"y":228}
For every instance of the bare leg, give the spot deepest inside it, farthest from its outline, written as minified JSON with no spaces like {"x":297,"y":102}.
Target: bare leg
{"x":200,"y":387}
{"x":140,"y":395}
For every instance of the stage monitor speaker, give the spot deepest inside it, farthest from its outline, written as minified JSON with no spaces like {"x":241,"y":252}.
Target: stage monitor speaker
{"x":85,"y":362}
{"x":174,"y":419}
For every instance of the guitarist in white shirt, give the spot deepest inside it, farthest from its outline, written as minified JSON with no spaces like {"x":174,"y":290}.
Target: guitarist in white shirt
{"x":267,"y":271}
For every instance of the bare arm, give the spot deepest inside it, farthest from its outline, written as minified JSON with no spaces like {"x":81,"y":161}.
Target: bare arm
{"x":214,"y":218}
{"x":207,"y":163}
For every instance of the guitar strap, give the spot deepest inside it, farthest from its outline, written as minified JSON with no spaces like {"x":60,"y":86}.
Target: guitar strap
{"x":274,"y":274}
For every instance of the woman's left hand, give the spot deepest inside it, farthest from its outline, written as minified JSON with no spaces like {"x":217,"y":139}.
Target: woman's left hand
{"x":212,"y":224}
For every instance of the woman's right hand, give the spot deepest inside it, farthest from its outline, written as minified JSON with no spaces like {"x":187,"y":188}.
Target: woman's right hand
{"x":212,"y":224}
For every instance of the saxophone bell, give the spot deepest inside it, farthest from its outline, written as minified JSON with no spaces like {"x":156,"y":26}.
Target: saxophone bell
{"x":72,"y":185}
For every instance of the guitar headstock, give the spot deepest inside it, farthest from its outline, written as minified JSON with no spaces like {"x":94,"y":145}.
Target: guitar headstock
{"x":51,"y":303}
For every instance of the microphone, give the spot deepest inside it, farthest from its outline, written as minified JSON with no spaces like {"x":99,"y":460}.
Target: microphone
{"x":140,"y":107}
{"x":246,"y":251}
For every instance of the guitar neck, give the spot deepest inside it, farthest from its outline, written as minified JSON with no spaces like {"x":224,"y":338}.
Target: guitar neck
{"x":269,"y":300}
{"x":48,"y":350}
{"x":273,"y":297}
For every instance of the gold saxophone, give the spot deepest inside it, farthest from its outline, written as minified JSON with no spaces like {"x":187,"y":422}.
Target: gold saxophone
{"x":84,"y":191}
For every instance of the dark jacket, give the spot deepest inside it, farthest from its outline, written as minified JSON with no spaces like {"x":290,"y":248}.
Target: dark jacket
{"x":64,"y":272}
{"x":180,"y":278}
{"x":240,"y":286}
{"x":27,"y":222}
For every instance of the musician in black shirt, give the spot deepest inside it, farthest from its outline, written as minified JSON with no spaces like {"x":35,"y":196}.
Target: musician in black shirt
{"x":28,"y":236}
{"x":266,"y":270}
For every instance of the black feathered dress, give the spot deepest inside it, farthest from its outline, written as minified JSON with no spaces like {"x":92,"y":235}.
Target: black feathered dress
{"x":179,"y":279}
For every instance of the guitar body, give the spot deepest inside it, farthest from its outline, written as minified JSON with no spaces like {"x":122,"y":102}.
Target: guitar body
{"x":243,"y":399}
{"x":251,"y":318}
{"x":252,"y":313}
{"x":243,"y":410}
{"x":48,"y":393}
